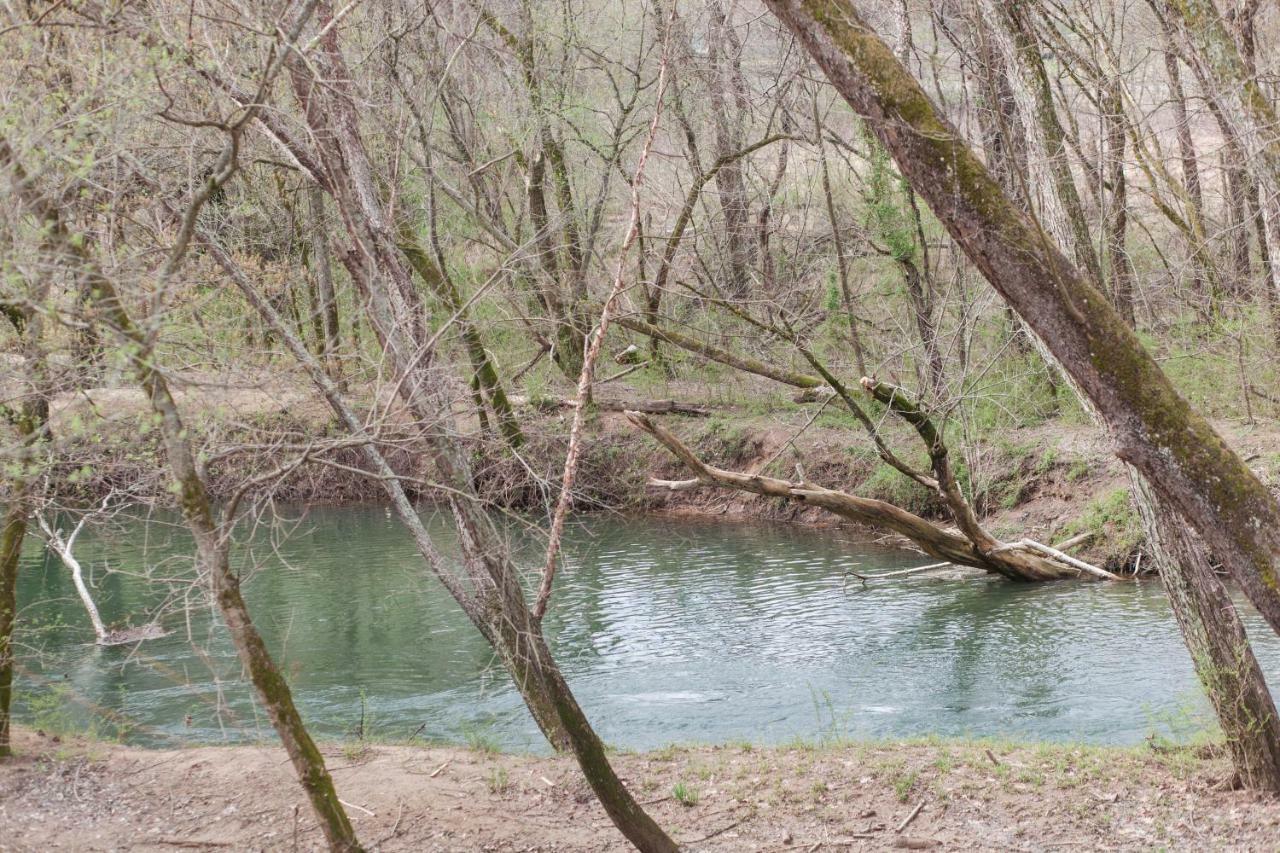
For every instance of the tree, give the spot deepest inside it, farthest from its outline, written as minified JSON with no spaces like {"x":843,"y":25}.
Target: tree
{"x":1173,"y":447}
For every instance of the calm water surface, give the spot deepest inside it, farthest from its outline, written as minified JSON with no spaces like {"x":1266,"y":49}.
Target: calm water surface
{"x":668,"y":632}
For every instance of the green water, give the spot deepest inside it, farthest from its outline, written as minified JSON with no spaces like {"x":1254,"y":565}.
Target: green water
{"x":667,"y":631}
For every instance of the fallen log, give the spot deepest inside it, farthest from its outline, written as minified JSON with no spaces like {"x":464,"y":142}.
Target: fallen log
{"x":652,"y":407}
{"x":1016,"y":560}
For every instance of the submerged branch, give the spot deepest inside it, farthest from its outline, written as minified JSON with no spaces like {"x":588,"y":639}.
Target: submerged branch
{"x":1018,"y":560}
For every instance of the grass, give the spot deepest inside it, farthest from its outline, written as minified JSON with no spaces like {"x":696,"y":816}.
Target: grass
{"x":498,"y":780}
{"x":686,"y":795}
{"x":481,"y":740}
{"x":1113,"y":515}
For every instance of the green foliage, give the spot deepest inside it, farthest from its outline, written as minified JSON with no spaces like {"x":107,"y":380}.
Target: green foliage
{"x":888,"y":484}
{"x":55,"y":711}
{"x":903,"y":783}
{"x":686,"y":795}
{"x":1113,"y":516}
{"x":887,"y":217}
{"x":481,"y":739}
{"x":498,"y":780}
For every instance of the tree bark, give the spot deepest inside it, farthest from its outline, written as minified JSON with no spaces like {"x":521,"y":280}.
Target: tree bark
{"x":496,"y":598}
{"x":1241,"y":103}
{"x":727,"y":100}
{"x":327,"y":309}
{"x":1119,"y":267}
{"x":1220,"y":651}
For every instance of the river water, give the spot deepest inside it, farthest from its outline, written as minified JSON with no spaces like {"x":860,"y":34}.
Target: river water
{"x":668,"y":632}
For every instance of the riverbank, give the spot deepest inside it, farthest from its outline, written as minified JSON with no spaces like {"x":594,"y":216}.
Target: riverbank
{"x":1050,"y":481}
{"x":946,"y":795}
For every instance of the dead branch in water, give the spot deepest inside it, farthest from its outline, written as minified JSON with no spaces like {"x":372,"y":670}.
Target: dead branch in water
{"x":1017,"y":560}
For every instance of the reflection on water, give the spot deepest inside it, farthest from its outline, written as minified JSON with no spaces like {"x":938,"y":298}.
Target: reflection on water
{"x":667,"y":631}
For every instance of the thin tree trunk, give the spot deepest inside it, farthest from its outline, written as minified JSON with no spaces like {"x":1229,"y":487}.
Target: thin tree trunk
{"x":30,"y":418}
{"x":213,"y":561}
{"x":396,"y":315}
{"x":1194,"y":195}
{"x":327,"y":309}
{"x":494,"y":602}
{"x":17,"y":510}
{"x":1241,"y":102}
{"x":842,"y":265}
{"x":485,"y":375}
{"x":727,"y":101}
{"x":1119,"y":267}
{"x":1220,"y":651}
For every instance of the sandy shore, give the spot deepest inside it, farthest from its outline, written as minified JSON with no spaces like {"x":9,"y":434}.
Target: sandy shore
{"x":60,"y":795}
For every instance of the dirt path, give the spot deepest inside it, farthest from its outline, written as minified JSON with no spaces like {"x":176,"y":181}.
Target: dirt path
{"x":93,"y":797}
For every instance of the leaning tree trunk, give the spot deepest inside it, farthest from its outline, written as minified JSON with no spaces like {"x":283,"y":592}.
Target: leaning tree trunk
{"x":1023,"y":560}
{"x":492,"y":598}
{"x":1188,"y":464}
{"x":1240,"y":697}
{"x":213,"y":562}
{"x":397,"y":314}
{"x":211,"y":546}
{"x":1220,"y":651}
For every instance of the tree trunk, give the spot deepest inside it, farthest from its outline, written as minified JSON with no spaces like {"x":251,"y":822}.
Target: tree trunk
{"x":493,"y":599}
{"x":1023,"y":560}
{"x":396,"y":314}
{"x":727,"y":100}
{"x":837,"y":242}
{"x":1188,"y":464}
{"x":11,"y":536}
{"x":212,"y":560}
{"x":1220,"y":650}
{"x":1119,"y":268}
{"x":327,"y":307}
{"x":1240,"y":102}
{"x":1193,"y":194}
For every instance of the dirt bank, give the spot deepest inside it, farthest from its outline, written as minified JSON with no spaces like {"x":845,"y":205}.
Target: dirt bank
{"x":971,"y":796}
{"x":1049,"y":481}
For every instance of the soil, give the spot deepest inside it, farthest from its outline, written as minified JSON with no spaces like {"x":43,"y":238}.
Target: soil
{"x":61,"y":795}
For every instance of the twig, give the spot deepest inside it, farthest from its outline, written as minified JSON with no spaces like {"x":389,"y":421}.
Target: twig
{"x":910,"y":817}
{"x":621,"y":373}
{"x":1078,"y":539}
{"x":719,"y":831}
{"x":917,"y":570}
{"x":178,"y":842}
{"x":587,"y":376}
{"x":434,"y":773}
{"x":395,"y":827}
{"x":357,"y":808}
{"x":1088,"y":568}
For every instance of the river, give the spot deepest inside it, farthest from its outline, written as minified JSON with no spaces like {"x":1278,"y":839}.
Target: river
{"x":668,"y":631}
